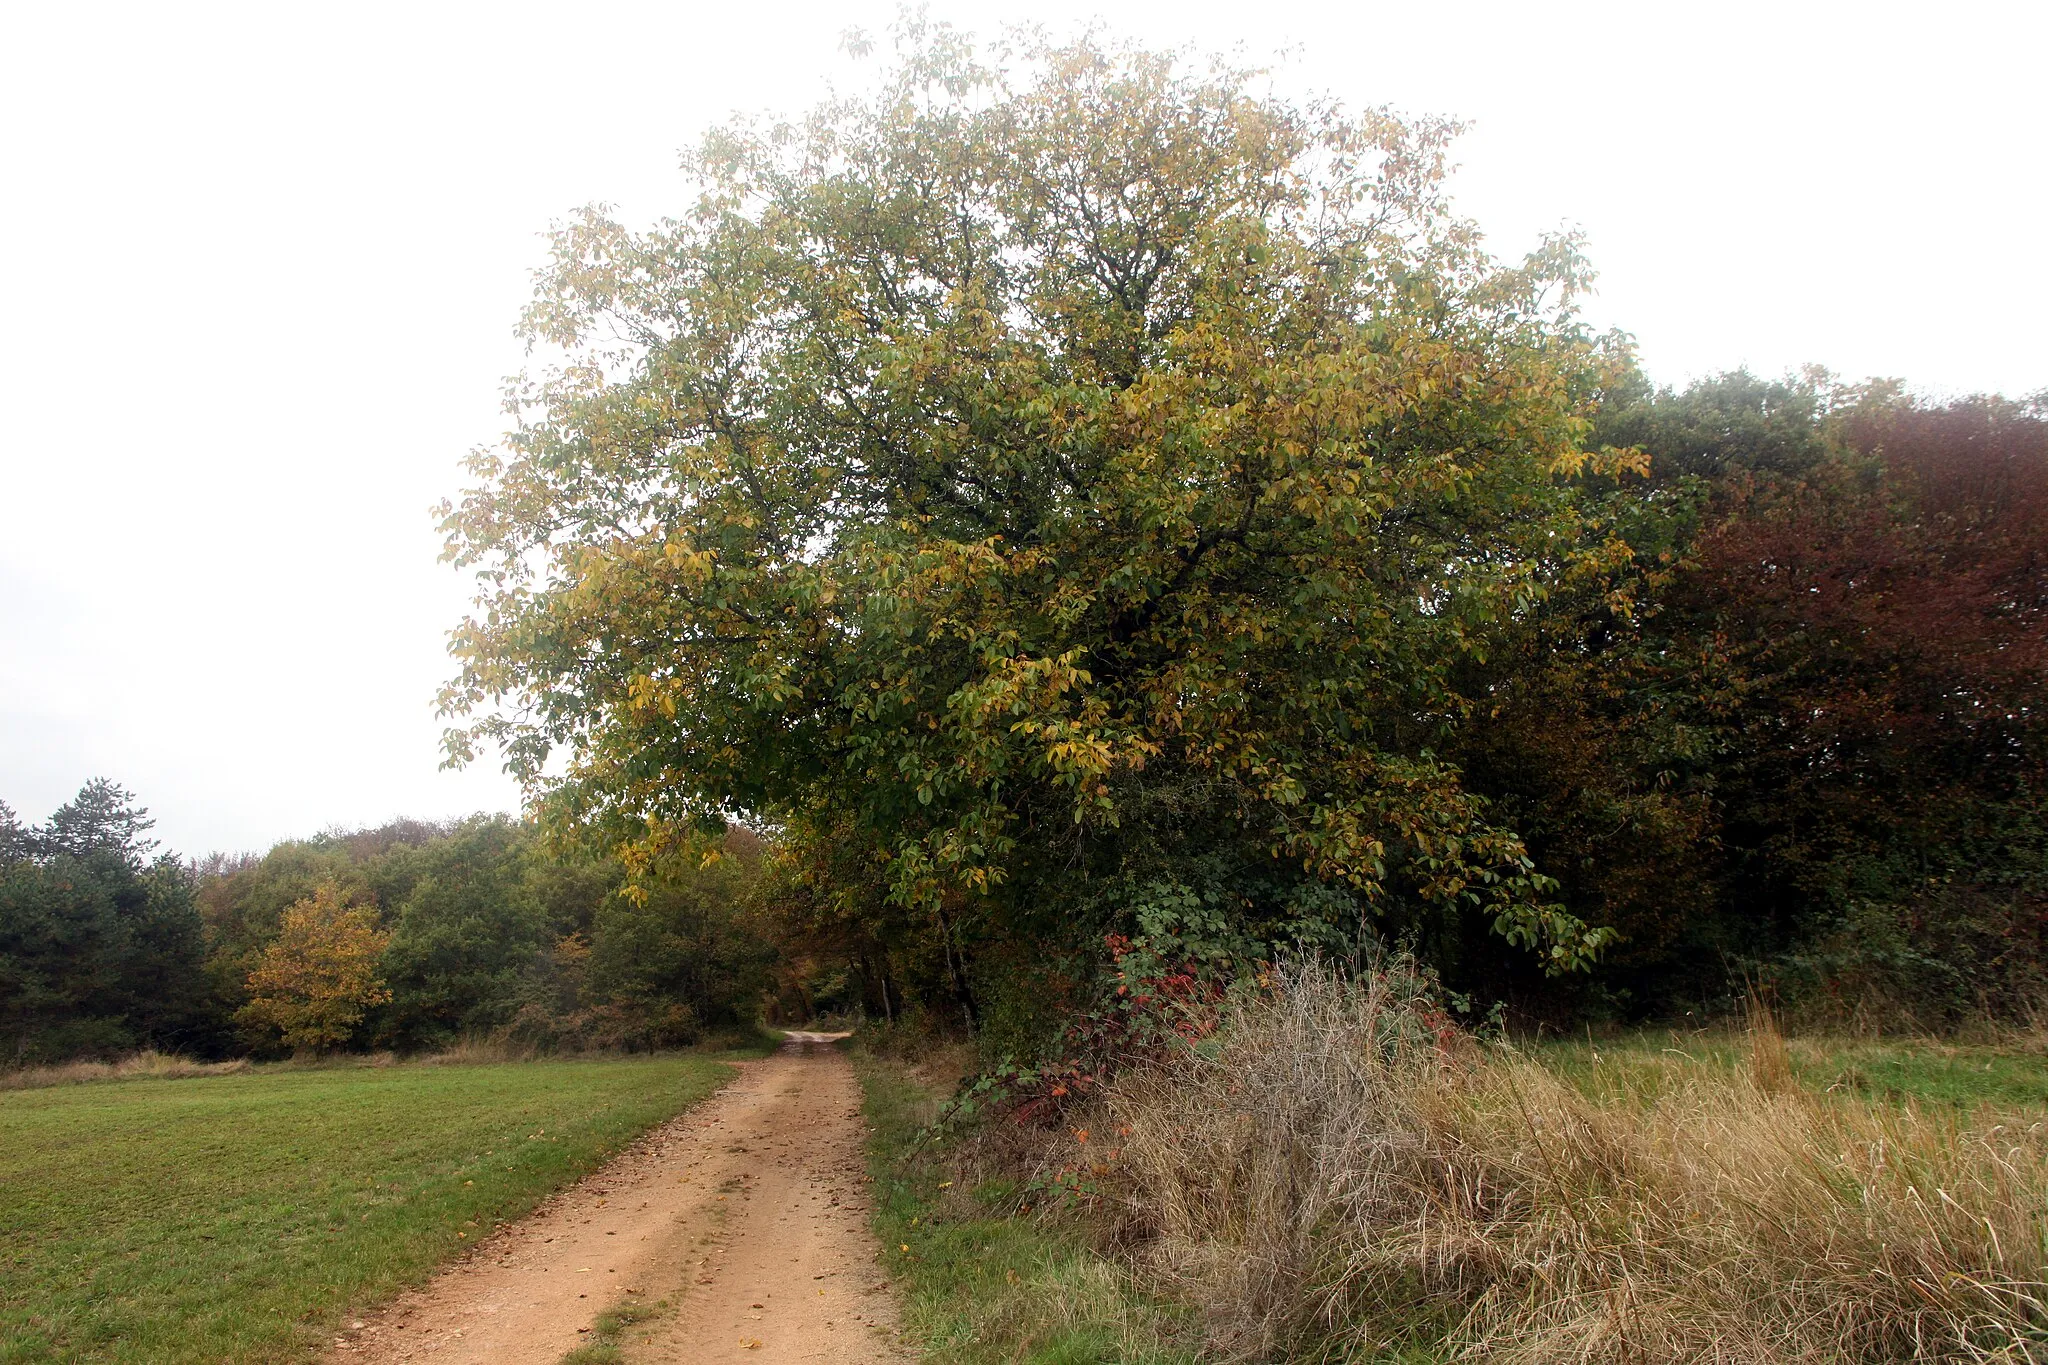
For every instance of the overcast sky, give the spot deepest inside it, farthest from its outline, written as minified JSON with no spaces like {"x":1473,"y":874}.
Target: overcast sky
{"x":262,"y":266}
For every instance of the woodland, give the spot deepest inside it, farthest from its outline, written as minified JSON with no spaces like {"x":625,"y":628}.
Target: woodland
{"x":1047,"y":540}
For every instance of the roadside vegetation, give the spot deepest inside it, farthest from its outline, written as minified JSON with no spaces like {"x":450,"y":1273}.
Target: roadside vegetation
{"x":1342,"y":1173}
{"x":234,"y":1218}
{"x":1329,"y":1168}
{"x":980,"y":1282}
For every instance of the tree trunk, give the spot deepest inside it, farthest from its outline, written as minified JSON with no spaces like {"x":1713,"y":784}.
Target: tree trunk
{"x":956,"y":967}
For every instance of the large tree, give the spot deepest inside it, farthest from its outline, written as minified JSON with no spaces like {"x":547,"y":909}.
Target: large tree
{"x":1063,"y":471}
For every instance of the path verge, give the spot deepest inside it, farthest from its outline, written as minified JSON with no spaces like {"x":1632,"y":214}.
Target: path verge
{"x":982,"y":1282}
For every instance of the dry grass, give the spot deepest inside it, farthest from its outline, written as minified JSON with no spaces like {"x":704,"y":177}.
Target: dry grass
{"x":1340,"y":1174}
{"x":481,"y":1050}
{"x":147,"y":1065}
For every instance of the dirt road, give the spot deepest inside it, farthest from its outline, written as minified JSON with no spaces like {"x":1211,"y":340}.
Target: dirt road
{"x":748,"y":1214}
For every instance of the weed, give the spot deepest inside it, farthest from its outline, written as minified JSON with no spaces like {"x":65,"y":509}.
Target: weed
{"x":605,"y":1344}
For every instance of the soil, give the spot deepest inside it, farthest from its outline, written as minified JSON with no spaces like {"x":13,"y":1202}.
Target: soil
{"x":748,"y":1215}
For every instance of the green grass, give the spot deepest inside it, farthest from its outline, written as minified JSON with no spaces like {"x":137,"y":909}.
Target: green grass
{"x":235,"y":1218}
{"x":981,"y":1287}
{"x":1931,"y":1072}
{"x":1925,"y":1070}
{"x":606,"y":1343}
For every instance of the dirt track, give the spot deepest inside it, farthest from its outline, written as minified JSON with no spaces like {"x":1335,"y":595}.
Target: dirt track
{"x":748,"y":1214}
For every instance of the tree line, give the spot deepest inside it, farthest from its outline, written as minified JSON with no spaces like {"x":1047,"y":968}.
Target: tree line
{"x":407,"y":937}
{"x":1797,"y":741}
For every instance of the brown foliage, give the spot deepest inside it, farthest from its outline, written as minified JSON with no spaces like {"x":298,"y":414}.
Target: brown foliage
{"x":1897,"y":609}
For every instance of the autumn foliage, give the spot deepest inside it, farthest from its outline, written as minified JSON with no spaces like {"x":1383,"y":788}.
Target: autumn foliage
{"x":1077,"y":494}
{"x":1812,"y":750}
{"x":319,"y":976}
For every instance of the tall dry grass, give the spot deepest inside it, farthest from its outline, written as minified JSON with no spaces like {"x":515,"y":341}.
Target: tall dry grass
{"x":476,"y":1049}
{"x":145,"y":1065}
{"x":1339,"y":1173}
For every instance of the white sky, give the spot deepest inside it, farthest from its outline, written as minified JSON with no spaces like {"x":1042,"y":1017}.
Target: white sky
{"x":262,"y":265}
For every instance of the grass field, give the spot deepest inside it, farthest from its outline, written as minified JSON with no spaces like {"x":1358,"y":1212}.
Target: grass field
{"x":2009,"y":1075}
{"x":235,"y":1218}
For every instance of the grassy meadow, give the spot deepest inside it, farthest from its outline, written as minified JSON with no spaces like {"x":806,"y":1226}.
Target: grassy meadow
{"x":2009,"y":1073}
{"x":234,"y":1218}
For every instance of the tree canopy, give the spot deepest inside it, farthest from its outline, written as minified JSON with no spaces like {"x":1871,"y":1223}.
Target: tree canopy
{"x":317,"y":979}
{"x":101,"y":944}
{"x":1063,"y":459}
